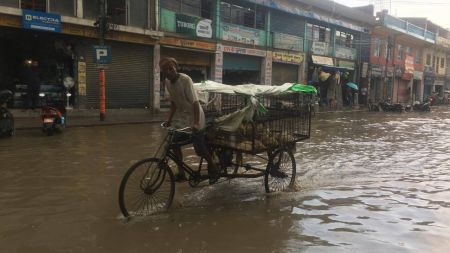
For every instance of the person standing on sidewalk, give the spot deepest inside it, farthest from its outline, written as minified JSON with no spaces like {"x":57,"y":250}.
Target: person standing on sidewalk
{"x":33,"y":81}
{"x":185,"y":111}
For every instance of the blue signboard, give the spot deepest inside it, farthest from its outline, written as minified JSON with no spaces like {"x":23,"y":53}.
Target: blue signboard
{"x":41,"y":21}
{"x":102,"y":54}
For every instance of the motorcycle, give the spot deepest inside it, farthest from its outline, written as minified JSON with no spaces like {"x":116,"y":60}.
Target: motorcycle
{"x":53,"y":113}
{"x":388,"y":107}
{"x":421,"y":107}
{"x":6,"y":117}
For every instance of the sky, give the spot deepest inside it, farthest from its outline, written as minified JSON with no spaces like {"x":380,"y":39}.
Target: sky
{"x":438,"y":11}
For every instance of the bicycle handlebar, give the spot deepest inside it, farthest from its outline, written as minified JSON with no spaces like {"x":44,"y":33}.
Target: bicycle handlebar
{"x":187,"y":130}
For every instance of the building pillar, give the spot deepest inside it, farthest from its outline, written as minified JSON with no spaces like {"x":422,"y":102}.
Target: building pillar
{"x":79,"y":8}
{"x":156,"y":79}
{"x":266,"y":69}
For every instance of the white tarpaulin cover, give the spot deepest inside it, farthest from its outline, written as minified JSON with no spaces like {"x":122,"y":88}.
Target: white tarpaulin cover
{"x":232,"y":121}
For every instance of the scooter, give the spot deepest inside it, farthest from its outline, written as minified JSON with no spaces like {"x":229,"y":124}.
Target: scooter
{"x":6,"y":117}
{"x":53,"y":115}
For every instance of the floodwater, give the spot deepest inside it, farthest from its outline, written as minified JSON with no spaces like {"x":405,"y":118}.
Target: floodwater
{"x":366,"y":182}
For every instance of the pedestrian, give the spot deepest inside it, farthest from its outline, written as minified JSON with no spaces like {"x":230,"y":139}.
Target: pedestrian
{"x":32,"y":79}
{"x":185,"y":111}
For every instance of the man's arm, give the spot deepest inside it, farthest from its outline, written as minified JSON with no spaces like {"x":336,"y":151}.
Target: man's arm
{"x":173,"y":109}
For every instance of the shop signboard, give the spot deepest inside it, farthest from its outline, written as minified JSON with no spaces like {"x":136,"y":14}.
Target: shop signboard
{"x":346,"y":64}
{"x":409,"y":64}
{"x":246,"y":51}
{"x":418,"y":75}
{"x":345,"y":53}
{"x":268,"y":69}
{"x":319,"y":48}
{"x":81,"y":69}
{"x":365,"y":68}
{"x":286,"y":41}
{"x":41,"y":21}
{"x":194,"y":26}
{"x":376,"y":72}
{"x":188,"y":43}
{"x":295,"y":58}
{"x":241,"y":34}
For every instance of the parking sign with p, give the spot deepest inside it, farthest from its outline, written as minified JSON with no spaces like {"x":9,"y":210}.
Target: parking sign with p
{"x":102,"y":54}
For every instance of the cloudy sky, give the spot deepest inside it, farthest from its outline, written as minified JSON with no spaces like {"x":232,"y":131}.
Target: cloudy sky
{"x":438,"y":11}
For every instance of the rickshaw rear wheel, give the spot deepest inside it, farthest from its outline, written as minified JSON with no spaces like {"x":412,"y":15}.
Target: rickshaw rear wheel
{"x":280,"y":171}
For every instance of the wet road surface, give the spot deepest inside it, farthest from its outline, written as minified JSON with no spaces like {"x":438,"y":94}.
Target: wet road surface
{"x":366,"y":182}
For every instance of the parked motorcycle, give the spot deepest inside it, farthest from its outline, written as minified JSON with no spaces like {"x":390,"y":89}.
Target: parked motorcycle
{"x":421,"y":107}
{"x":388,"y":107}
{"x":6,"y":117}
{"x":53,"y":114}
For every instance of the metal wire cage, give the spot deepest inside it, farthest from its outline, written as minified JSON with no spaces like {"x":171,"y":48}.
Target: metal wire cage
{"x":279,"y":121}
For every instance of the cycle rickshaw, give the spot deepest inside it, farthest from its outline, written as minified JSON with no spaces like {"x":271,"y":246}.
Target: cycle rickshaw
{"x":250,"y":120}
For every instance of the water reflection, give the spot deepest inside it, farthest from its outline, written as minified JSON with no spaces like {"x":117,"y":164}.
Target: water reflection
{"x":368,"y":182}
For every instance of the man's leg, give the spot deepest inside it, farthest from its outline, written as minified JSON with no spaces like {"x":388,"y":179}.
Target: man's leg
{"x":201,"y":148}
{"x":181,"y":174}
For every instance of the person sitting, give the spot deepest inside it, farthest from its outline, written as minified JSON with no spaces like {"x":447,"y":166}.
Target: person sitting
{"x":185,"y":111}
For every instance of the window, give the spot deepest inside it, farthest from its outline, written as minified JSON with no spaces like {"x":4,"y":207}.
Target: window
{"x":318,"y":33}
{"x":399,"y":52}
{"x":199,"y":8}
{"x":407,"y":50}
{"x":241,"y":13}
{"x":433,"y":63}
{"x":345,"y":39}
{"x":138,"y":11}
{"x":116,"y":9}
{"x":376,"y":47}
{"x":37,"y":5}
{"x":63,"y":7}
{"x":90,"y":9}
{"x":418,"y":56}
{"x":9,"y":3}
{"x":442,"y":62}
{"x":428,"y":60}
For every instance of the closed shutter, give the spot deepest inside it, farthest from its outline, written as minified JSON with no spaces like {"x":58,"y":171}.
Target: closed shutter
{"x":128,"y":77}
{"x":284,"y":73}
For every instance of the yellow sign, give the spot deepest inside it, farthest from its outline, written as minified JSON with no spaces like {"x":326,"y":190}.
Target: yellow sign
{"x":188,"y":43}
{"x":82,"y":78}
{"x":279,"y":56}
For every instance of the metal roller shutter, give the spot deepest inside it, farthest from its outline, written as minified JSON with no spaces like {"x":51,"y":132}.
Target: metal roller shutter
{"x":284,"y":73}
{"x":128,"y":77}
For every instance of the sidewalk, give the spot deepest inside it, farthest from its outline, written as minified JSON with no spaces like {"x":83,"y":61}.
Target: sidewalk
{"x":90,"y":117}
{"x":76,"y":118}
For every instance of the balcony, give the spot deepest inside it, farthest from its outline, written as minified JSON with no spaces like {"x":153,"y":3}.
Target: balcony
{"x":443,"y":42}
{"x":408,"y":28}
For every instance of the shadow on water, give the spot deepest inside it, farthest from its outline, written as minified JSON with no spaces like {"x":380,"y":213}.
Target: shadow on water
{"x":368,"y":182}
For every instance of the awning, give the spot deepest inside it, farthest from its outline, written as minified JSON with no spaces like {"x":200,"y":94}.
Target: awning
{"x":322,"y":60}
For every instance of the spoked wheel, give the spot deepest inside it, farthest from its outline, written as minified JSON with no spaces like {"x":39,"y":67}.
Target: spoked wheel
{"x":280,"y":172}
{"x":147,"y":188}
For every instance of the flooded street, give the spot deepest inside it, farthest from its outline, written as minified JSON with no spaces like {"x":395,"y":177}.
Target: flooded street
{"x":366,"y":182}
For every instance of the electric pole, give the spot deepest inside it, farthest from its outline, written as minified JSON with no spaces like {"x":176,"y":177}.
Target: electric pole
{"x":102,"y":28}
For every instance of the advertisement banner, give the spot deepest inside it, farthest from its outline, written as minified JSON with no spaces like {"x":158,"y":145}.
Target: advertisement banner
{"x":240,"y":34}
{"x":286,"y":41}
{"x":194,"y":26}
{"x":319,"y":48}
{"x":287,"y":57}
{"x":41,"y":21}
{"x":409,"y":64}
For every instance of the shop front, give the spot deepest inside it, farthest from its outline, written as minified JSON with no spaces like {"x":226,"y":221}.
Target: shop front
{"x":286,"y":67}
{"x":417,"y":89}
{"x":376,"y":84}
{"x":53,"y":56}
{"x":242,"y":65}
{"x":195,"y":58}
{"x":429,"y":78}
